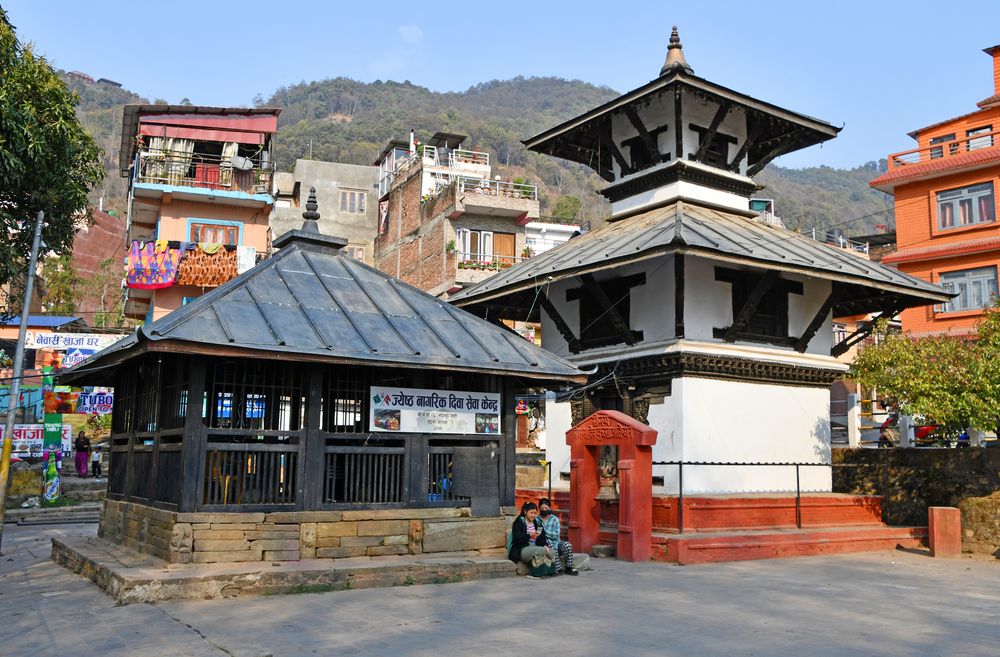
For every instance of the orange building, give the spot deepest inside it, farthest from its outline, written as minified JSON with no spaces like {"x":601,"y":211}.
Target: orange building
{"x":945,"y":193}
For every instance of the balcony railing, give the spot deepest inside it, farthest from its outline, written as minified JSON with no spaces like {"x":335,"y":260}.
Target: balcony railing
{"x":497,"y":188}
{"x":237,"y":174}
{"x":460,"y":157}
{"x":486,"y":261}
{"x":944,"y":150}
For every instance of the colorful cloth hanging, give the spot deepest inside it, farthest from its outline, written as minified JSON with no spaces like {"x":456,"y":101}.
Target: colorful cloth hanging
{"x":202,"y":268}
{"x":148,"y":268}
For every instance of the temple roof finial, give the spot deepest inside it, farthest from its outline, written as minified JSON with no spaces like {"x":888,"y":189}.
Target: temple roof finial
{"x":311,"y":215}
{"x":675,"y":56}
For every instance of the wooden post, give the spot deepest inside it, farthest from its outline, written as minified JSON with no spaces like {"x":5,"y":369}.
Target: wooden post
{"x":312,"y":453}
{"x":508,"y":454}
{"x":193,"y":442}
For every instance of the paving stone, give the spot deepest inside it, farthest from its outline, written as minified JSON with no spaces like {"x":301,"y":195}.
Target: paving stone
{"x":271,"y":527}
{"x":340,"y":552}
{"x":384,"y":550}
{"x":366,"y":541}
{"x":382,"y":527}
{"x":404,"y":514}
{"x":328,"y":542}
{"x":401,"y":539}
{"x":465,"y":534}
{"x":279,"y":517}
{"x":212,"y":546}
{"x":225,"y":556}
{"x":324,"y":529}
{"x":281,"y":555}
{"x":271,"y":535}
{"x":275,"y":545}
{"x":221,"y":517}
{"x":219,"y":534}
{"x":244,"y":526}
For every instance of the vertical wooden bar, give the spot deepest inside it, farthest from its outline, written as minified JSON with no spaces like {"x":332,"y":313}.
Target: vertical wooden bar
{"x":508,"y":457}
{"x":193,"y":442}
{"x":312,"y":446}
{"x":678,"y":295}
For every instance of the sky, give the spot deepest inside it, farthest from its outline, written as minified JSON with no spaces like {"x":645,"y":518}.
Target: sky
{"x":879,"y":68}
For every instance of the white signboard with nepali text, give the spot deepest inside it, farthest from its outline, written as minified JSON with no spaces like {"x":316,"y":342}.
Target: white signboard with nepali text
{"x":91,"y":342}
{"x":28,"y":439}
{"x":415,"y":410}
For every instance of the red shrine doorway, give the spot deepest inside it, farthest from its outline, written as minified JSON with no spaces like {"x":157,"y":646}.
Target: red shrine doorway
{"x":634,"y":441}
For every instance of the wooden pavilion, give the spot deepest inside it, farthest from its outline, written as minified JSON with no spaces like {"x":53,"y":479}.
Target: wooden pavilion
{"x":311,"y":384}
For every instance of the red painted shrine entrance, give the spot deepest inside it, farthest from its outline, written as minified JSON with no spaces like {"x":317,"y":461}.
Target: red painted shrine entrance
{"x":634,"y":441}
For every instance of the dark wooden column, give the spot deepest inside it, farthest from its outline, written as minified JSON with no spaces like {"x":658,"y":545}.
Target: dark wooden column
{"x":508,"y":455}
{"x":312,"y":453}
{"x":193,"y":443}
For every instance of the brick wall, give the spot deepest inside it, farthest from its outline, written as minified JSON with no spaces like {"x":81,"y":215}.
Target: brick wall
{"x":290,"y":536}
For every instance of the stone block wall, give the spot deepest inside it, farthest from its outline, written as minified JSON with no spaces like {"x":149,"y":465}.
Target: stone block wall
{"x":289,"y":536}
{"x":917,"y":478}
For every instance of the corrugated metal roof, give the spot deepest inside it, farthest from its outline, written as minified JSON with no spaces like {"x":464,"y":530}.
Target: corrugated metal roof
{"x":696,"y":229}
{"x":310,"y":301}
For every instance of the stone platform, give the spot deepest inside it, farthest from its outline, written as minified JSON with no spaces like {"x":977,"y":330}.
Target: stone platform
{"x":129,"y":576}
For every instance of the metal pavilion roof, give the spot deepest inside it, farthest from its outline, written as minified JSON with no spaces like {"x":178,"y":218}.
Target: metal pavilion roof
{"x":311,"y":303}
{"x":698,"y":230}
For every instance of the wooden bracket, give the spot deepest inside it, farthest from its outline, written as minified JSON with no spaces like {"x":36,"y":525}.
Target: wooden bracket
{"x":652,"y":148}
{"x":863,"y":331}
{"x":803,"y":342}
{"x":713,"y":128}
{"x":561,"y":325}
{"x":594,"y":289}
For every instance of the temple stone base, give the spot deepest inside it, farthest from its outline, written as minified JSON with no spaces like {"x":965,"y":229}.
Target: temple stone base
{"x":221,"y":537}
{"x":130,"y":577}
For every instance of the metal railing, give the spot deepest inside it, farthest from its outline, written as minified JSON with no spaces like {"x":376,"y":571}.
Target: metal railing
{"x":840,"y":242}
{"x":461,"y":156}
{"x":944,"y":149}
{"x":250,"y":175}
{"x":491,"y":261}
{"x":798,"y":483}
{"x":498,"y":188}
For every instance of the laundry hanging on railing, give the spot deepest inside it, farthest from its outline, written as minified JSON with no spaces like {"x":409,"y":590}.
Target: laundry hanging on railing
{"x":151,"y":266}
{"x":209,"y":265}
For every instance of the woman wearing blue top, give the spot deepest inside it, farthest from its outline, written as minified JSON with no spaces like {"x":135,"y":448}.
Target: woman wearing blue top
{"x":561,"y":551}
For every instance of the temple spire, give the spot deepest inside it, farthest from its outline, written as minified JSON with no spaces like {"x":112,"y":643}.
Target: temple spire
{"x":675,"y":56}
{"x":311,"y":216}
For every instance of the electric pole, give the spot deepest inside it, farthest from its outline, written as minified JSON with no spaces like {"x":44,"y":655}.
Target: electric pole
{"x":15,"y":383}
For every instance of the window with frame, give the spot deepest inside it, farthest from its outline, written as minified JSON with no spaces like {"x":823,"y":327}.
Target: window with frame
{"x":976,"y":288}
{"x":353,"y":201}
{"x":966,"y":206}
{"x":356,"y":252}
{"x":215,"y":233}
{"x":596,"y":326}
{"x":475,"y":244}
{"x":985,"y":140}
{"x":938,"y":151}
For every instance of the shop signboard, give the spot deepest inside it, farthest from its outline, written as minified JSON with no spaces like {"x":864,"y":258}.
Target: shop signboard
{"x":415,"y":410}
{"x":29,"y":439}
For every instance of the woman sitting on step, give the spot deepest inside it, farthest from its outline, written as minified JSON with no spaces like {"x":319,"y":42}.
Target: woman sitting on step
{"x":527,"y":543}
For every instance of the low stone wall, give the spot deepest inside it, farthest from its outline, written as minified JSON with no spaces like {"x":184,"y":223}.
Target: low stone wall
{"x":289,"y":536}
{"x":981,"y":524}
{"x":917,"y":478}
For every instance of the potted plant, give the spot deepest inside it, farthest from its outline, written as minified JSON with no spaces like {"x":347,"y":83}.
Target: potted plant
{"x":450,"y":247}
{"x":527,"y":252}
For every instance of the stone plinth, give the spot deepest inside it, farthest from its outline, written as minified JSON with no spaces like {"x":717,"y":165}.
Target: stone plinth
{"x":944,"y":531}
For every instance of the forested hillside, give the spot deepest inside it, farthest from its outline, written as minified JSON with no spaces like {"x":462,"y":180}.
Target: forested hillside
{"x":349,"y":121}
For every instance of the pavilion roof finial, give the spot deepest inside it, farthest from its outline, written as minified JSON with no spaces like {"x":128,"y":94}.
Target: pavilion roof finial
{"x":675,"y":56}
{"x":311,"y":216}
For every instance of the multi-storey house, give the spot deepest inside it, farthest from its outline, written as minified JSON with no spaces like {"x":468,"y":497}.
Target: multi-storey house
{"x":945,"y":193}
{"x":200,"y":194}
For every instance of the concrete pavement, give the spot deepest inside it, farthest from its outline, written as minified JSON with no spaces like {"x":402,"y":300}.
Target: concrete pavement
{"x":887,"y":603}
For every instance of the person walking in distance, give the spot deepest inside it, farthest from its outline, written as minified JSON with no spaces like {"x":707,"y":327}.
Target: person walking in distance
{"x":95,"y":461}
{"x":82,"y":447}
{"x":562,"y":551}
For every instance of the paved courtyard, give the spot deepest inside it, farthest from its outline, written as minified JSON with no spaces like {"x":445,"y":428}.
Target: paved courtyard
{"x":889,"y":603}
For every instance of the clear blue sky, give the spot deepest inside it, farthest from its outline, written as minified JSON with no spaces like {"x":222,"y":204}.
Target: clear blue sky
{"x":880,"y":68}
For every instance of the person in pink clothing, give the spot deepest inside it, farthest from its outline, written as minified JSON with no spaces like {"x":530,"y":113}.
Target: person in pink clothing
{"x":82,"y":447}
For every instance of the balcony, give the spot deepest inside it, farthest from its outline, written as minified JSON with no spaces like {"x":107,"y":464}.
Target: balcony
{"x":236,"y":177}
{"x":496,"y":198}
{"x":475,"y":267}
{"x":947,"y":152}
